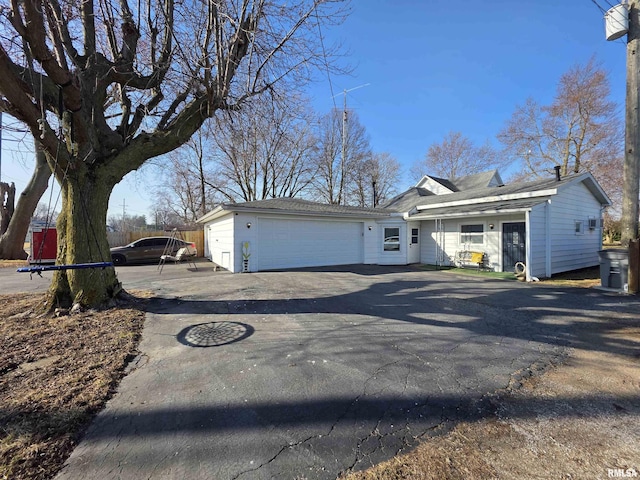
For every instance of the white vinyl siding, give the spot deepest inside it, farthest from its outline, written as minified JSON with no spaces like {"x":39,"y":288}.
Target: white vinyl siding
{"x":220,"y":242}
{"x":538,"y":244}
{"x":428,"y":247}
{"x":570,"y":250}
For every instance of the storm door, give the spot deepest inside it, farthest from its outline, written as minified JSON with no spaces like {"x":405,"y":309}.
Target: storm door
{"x":514,"y":248}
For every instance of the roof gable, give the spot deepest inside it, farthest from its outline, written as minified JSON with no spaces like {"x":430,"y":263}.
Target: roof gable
{"x":537,"y":191}
{"x":541,"y":189}
{"x":478,"y":180}
{"x":441,"y":186}
{"x":407,"y":199}
{"x":435,"y":185}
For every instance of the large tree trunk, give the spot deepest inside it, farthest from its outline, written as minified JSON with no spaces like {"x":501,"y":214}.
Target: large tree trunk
{"x":12,"y":241}
{"x":7,"y":201}
{"x":82,"y":238}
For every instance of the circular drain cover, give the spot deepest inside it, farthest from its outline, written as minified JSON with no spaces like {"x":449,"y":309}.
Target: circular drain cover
{"x":214,"y":334}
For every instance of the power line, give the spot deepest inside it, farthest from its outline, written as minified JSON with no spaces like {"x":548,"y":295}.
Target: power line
{"x":324,"y":56}
{"x":602,"y":10}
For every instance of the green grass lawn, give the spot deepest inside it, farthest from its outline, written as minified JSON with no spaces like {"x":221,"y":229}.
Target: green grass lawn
{"x":585,"y":277}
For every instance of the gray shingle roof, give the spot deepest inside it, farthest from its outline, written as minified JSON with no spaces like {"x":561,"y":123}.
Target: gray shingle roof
{"x":408,"y":199}
{"x":297,"y":205}
{"x":518,"y":187}
{"x":414,"y":197}
{"x":472,"y":182}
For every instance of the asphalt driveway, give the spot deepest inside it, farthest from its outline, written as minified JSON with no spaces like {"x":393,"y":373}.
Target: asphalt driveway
{"x":306,"y":374}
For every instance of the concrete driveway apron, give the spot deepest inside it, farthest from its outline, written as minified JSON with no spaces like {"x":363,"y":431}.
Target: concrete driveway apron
{"x":307,"y":374}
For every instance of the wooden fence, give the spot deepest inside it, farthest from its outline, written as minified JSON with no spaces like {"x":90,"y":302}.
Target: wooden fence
{"x":123,"y":238}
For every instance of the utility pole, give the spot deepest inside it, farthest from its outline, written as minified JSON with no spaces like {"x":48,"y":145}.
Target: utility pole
{"x":343,"y":158}
{"x":631,"y":182}
{"x":123,"y":212}
{"x":0,"y":146}
{"x":344,"y":147}
{"x":631,"y":178}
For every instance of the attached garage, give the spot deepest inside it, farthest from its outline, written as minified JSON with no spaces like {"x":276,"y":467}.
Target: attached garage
{"x":289,"y":233}
{"x":292,"y":243}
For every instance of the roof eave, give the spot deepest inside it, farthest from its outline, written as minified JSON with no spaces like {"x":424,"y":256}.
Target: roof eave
{"x":226,"y":209}
{"x":213,"y":214}
{"x":489,"y":199}
{"x":478,"y":213}
{"x":594,"y":187}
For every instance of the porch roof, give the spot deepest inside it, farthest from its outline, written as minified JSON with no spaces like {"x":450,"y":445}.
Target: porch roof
{"x":479,"y":209}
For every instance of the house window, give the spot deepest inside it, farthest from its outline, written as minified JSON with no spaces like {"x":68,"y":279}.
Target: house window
{"x":579,"y":227}
{"x":472,"y":234}
{"x":391,"y":239}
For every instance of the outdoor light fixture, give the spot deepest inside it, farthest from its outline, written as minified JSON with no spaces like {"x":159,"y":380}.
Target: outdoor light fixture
{"x":491,"y":226}
{"x":248,"y":224}
{"x":369,"y":227}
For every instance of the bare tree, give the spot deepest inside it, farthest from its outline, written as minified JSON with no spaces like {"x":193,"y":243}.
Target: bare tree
{"x":17,"y":223}
{"x":263,"y":151}
{"x":580,"y":130}
{"x":127,"y":223}
{"x":105,"y":86}
{"x":335,"y":172}
{"x":187,"y":190}
{"x":45,"y":213}
{"x":165,"y":219}
{"x":456,"y":156}
{"x":375,"y":180}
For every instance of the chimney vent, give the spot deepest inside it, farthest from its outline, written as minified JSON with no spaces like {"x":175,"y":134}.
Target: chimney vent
{"x":557,"y":169}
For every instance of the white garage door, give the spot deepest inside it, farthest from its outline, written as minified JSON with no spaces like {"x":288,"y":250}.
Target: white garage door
{"x":308,"y":243}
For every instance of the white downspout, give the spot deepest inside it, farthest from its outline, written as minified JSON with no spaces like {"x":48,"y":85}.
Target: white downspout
{"x":527,"y":228}
{"x":547,"y":267}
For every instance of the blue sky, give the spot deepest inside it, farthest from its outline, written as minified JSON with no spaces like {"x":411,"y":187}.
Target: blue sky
{"x":432,"y":66}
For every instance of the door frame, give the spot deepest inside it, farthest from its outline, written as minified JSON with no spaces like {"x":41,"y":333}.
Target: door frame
{"x":413,"y":249}
{"x":526,"y":243}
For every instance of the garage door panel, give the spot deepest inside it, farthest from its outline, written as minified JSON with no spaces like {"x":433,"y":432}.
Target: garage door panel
{"x":308,"y":243}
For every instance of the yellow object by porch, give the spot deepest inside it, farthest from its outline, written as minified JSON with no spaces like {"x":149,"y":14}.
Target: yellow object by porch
{"x":476,"y":257}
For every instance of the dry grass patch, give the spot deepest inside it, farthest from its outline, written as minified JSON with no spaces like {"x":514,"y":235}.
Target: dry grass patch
{"x":579,"y":419}
{"x":583,"y":278}
{"x":13,"y":263}
{"x":451,"y":456}
{"x":56,"y":373}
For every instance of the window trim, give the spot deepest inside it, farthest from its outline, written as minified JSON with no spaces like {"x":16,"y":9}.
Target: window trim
{"x":578,"y":227}
{"x":394,"y":245}
{"x":463,"y":235}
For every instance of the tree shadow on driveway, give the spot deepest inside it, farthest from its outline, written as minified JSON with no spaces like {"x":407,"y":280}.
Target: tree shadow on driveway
{"x":407,"y":355}
{"x":574,"y":317}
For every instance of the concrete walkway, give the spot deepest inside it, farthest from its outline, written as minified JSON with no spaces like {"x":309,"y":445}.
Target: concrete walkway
{"x":309,"y":373}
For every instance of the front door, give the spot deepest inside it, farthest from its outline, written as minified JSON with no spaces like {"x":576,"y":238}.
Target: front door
{"x":414,"y":243}
{"x":514,"y":248}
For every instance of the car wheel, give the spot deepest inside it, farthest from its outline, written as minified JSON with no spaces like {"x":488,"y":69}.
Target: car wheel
{"x":118,"y":259}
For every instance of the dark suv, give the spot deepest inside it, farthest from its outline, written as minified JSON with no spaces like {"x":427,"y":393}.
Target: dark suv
{"x":149,"y":249}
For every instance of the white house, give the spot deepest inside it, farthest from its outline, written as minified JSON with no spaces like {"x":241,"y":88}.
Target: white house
{"x":550,"y":225}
